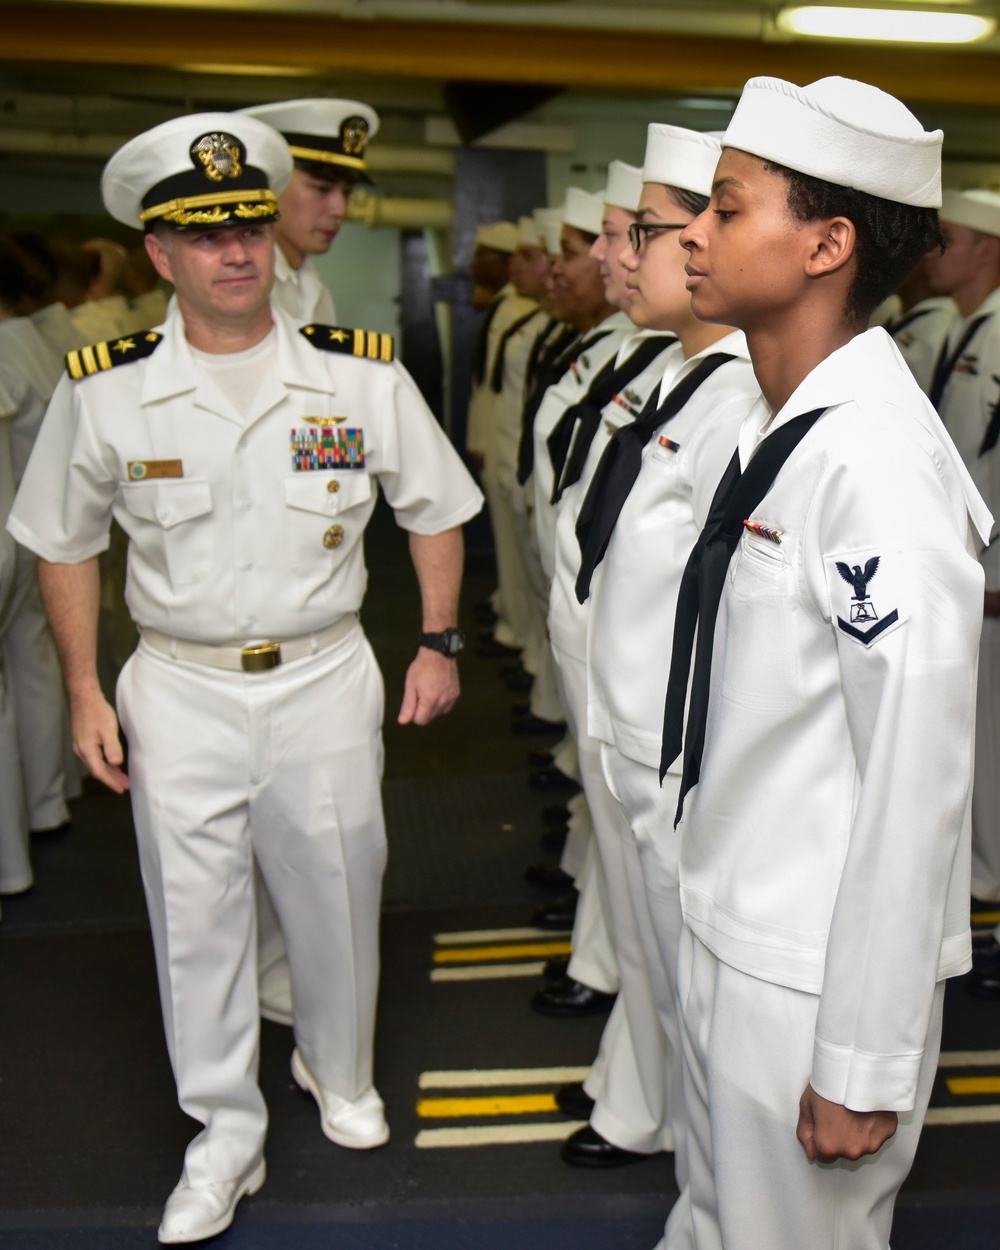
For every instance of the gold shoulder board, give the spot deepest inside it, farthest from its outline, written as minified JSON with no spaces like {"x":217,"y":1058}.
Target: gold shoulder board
{"x":368,"y":344}
{"x":95,"y":359}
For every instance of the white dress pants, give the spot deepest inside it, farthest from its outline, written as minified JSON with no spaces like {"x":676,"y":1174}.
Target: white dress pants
{"x":986,"y":790}
{"x":285,"y":767}
{"x":632,"y":1111}
{"x":15,"y":842}
{"x":748,"y":1049}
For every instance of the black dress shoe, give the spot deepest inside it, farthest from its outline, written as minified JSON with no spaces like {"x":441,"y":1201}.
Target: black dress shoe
{"x":986,"y":956}
{"x":586,"y":1148}
{"x":557,"y":968}
{"x":985,"y":985}
{"x":490,"y":649}
{"x":568,"y":999}
{"x":548,"y":877}
{"x":559,"y":914}
{"x":553,"y":840}
{"x":519,"y":682}
{"x":540,"y":757}
{"x":529,"y":726}
{"x":574,"y":1101}
{"x":552,"y":781}
{"x":484,"y":612}
{"x":555,"y":814}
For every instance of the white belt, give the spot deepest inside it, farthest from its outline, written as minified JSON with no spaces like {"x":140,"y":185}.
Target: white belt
{"x":257,"y":658}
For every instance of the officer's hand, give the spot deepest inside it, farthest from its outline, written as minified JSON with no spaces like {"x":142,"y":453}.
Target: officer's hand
{"x":829,"y":1131}
{"x":96,"y":741}
{"x":431,"y":688}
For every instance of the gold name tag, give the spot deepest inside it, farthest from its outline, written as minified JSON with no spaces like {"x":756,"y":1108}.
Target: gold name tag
{"x":140,"y":470}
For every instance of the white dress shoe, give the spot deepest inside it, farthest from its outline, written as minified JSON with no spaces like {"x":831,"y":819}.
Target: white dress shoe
{"x":194,"y":1212}
{"x":359,"y":1125}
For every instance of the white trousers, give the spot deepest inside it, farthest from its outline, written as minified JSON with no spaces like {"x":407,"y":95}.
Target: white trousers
{"x":35,"y":686}
{"x":631,"y":1112}
{"x":748,"y":1049}
{"x":284,"y":766}
{"x":508,"y":629}
{"x":15,"y":852}
{"x":986,"y":790}
{"x":593,"y":961}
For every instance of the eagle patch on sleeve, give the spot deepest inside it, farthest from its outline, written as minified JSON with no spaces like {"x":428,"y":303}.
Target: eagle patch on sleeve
{"x":866,"y":601}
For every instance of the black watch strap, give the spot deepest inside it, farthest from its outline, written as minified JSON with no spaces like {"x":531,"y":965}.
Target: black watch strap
{"x":449,"y":642}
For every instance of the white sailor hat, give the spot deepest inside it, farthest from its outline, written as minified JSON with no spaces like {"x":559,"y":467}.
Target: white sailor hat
{"x":327,"y":138}
{"x":624,"y":187}
{"x":550,"y":222}
{"x":500,"y":236}
{"x":844,"y":132}
{"x":206,"y":169}
{"x":676,"y":157}
{"x":978,"y":210}
{"x":584,"y":210}
{"x":528,"y":234}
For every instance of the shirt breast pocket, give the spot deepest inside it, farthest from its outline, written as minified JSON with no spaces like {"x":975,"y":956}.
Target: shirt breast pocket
{"x":170,"y":523}
{"x":312,"y":498}
{"x":761,"y":668}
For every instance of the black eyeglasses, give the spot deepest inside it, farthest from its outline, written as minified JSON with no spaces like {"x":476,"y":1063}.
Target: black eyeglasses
{"x":640,"y":231}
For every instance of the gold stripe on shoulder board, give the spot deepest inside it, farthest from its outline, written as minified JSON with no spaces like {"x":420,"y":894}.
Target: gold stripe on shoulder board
{"x":74,"y":365}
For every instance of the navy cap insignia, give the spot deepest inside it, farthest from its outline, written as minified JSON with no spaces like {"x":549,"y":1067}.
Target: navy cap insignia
{"x":354,"y":135}
{"x":220,"y":155}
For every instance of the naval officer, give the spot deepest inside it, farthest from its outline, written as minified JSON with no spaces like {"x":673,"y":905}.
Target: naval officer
{"x":242,"y":454}
{"x":827,"y":750}
{"x":328,"y":140}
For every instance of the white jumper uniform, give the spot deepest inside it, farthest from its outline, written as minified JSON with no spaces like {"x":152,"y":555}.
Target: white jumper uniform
{"x":244,"y":527}
{"x":629,"y":1081}
{"x":15,"y":856}
{"x":919,"y":334}
{"x":633,"y":597}
{"x":833,"y":806}
{"x":968,"y":406}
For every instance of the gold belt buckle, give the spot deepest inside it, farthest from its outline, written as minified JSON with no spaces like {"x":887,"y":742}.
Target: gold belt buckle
{"x":260,"y":659}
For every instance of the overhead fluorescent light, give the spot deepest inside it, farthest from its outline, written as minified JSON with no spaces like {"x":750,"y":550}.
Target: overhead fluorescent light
{"x":886,"y":25}
{"x":253,"y":71}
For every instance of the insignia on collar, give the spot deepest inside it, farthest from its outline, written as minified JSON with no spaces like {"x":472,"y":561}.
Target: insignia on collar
{"x":101,"y":356}
{"x":764,"y":531}
{"x":366,"y":344}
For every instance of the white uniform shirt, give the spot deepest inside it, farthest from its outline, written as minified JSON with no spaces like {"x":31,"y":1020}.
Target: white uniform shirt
{"x":919,"y":339}
{"x":301,"y":292}
{"x":826,"y":847}
{"x":967,"y":406}
{"x":7,"y":489}
{"x":30,"y":373}
{"x":99,"y":320}
{"x":567,"y":616}
{"x":569,"y":390}
{"x":508,"y":406}
{"x":634,"y":593}
{"x":510,"y":307}
{"x":148,"y":309}
{"x":230,"y":542}
{"x":55,"y":325}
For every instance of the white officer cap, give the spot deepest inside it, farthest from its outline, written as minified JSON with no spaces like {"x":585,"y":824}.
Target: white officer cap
{"x":844,"y":132}
{"x":676,"y":157}
{"x":584,"y":210}
{"x":624,"y":186}
{"x":979,"y":210}
{"x":528,"y":234}
{"x":327,"y":137}
{"x":206,"y":169}
{"x":501,"y":236}
{"x":550,"y":222}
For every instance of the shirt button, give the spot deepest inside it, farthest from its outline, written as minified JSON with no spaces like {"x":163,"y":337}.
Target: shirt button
{"x":248,"y":565}
{"x":333,"y":486}
{"x":334,"y":536}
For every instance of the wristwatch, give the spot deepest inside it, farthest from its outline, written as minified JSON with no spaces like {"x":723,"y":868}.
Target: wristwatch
{"x":449,"y":642}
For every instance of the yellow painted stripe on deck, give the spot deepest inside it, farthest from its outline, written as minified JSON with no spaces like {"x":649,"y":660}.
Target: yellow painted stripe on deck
{"x":988,"y":1114}
{"x":526,"y":950}
{"x":986,"y":917}
{"x":495,"y":1134}
{"x":969,"y":1059}
{"x":483,"y":1078}
{"x":468,"y":937}
{"x":488,"y":972}
{"x":973,"y":1084}
{"x":511,"y":1104}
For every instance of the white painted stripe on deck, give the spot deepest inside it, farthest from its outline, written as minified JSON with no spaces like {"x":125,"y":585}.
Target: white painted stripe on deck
{"x":495,"y":1134}
{"x":980,"y":1114}
{"x":488,"y":972}
{"x":983,"y":933}
{"x":498,"y":935}
{"x":969,"y":1058}
{"x":489,"y":1078}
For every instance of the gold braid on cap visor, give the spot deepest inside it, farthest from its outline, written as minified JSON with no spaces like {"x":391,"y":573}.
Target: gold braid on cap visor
{"x":328,"y":158}
{"x":207,"y":210}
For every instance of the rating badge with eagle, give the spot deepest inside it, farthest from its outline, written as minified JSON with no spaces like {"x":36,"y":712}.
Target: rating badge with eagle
{"x":855,"y":613}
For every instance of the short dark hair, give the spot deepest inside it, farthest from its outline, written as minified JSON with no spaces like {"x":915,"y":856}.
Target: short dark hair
{"x":891,"y":237}
{"x":690,"y":201}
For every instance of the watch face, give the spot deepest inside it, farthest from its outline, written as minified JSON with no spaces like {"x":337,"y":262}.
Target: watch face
{"x":454,"y":641}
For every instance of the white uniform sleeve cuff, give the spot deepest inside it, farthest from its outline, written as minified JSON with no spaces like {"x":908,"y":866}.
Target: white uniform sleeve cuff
{"x":865,"y":1082}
